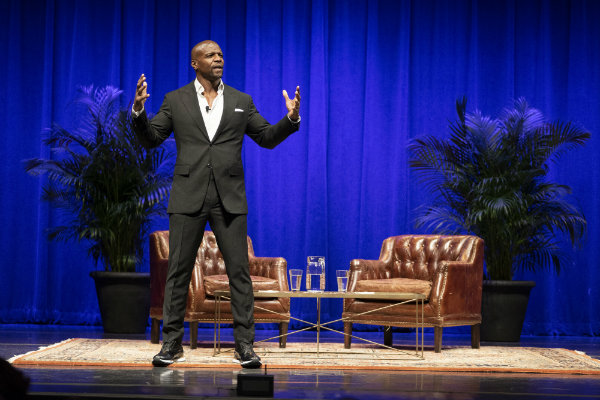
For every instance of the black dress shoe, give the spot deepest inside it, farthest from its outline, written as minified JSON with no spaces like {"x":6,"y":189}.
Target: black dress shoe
{"x":169,"y":353}
{"x":245,"y":355}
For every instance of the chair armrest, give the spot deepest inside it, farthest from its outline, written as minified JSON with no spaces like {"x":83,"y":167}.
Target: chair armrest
{"x":457,"y":288}
{"x":270,"y":267}
{"x":365,"y":269}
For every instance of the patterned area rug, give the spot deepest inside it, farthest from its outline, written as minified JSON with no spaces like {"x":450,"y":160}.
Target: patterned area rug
{"x":138,"y":353}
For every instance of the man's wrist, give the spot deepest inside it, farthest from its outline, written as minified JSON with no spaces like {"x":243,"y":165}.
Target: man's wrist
{"x":295,"y":122}
{"x":136,"y":113}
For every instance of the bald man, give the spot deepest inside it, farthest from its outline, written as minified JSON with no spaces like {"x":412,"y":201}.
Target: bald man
{"x":209,"y":120}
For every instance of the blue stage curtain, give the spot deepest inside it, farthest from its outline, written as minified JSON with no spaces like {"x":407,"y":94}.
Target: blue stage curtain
{"x":373,"y":75}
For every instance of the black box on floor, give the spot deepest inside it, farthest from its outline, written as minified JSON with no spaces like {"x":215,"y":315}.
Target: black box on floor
{"x":255,"y":385}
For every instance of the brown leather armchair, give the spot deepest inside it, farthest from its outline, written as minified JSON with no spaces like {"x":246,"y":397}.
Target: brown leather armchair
{"x":447,"y":269}
{"x":267,"y":273}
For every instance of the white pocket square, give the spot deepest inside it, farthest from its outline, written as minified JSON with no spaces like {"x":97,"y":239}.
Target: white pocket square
{"x":239,"y":110}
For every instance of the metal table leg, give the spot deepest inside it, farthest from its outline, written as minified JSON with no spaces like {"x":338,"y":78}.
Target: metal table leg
{"x":318,"y":323}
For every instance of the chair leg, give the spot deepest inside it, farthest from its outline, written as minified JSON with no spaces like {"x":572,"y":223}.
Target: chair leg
{"x":347,"y":333}
{"x":437,"y":337}
{"x":283,"y":329}
{"x":155,"y":331}
{"x":193,"y":334}
{"x":387,"y":336}
{"x":475,"y":335}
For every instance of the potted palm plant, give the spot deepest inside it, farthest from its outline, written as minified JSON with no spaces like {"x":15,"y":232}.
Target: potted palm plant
{"x":110,"y":188}
{"x":490,"y":178}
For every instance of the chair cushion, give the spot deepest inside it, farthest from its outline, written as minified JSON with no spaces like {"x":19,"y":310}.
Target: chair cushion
{"x":221,"y":282}
{"x":399,"y":285}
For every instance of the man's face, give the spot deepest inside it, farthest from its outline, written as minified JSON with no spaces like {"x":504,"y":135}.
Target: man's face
{"x":208,"y":61}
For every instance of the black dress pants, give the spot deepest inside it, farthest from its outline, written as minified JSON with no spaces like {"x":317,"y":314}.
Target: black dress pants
{"x":185,"y":235}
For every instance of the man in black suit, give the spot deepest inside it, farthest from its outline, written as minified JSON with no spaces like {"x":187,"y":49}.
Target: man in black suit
{"x":209,"y":120}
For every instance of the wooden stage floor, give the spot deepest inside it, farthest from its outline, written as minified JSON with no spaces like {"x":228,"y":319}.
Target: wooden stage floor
{"x":173,"y":383}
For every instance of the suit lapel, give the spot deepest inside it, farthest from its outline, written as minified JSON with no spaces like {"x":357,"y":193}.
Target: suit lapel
{"x":229,"y":101}
{"x":190,"y":101}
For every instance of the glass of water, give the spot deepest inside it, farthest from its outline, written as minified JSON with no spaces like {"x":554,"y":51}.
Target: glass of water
{"x":295,"y":279}
{"x":342,"y":280}
{"x":315,"y":274}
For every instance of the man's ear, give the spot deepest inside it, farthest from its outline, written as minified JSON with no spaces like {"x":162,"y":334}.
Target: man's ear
{"x":193,"y":63}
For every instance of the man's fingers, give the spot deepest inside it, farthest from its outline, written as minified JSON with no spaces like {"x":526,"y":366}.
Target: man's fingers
{"x":297,"y":96}
{"x":292,"y":105}
{"x":141,"y":80}
{"x":141,"y":92}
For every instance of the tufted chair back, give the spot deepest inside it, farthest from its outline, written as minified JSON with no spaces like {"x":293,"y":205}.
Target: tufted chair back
{"x":419,"y":257}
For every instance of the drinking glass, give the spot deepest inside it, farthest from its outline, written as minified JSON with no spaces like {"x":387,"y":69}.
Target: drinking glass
{"x":315,"y":274}
{"x":342,"y":280}
{"x":295,"y":279}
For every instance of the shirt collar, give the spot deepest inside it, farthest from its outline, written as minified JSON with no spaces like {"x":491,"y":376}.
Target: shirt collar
{"x":200,"y":88}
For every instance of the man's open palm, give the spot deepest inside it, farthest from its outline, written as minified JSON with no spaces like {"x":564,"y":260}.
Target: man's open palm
{"x":293,"y":105}
{"x":141,"y":94}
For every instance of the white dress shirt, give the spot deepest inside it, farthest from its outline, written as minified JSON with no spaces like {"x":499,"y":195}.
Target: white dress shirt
{"x":211,"y":115}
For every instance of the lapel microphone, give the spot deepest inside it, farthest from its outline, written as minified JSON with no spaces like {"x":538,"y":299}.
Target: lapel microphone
{"x":207,"y":108}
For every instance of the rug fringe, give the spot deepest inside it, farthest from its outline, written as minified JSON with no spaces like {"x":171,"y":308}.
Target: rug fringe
{"x":16,"y":357}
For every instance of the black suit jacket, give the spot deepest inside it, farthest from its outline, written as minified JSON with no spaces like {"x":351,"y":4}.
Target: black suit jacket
{"x":197,"y":155}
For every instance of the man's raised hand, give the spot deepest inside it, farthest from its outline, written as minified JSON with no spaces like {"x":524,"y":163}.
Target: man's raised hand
{"x":141,"y":94}
{"x":293,"y":105}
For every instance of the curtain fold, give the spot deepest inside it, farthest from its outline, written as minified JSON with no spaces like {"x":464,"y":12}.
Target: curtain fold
{"x":372,"y":74}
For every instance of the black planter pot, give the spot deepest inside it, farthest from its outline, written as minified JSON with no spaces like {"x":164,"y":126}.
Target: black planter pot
{"x":503,"y":308}
{"x":124,"y":300}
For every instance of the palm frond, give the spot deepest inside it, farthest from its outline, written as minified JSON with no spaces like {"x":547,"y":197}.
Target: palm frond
{"x":490,"y":178}
{"x":105,"y":183}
